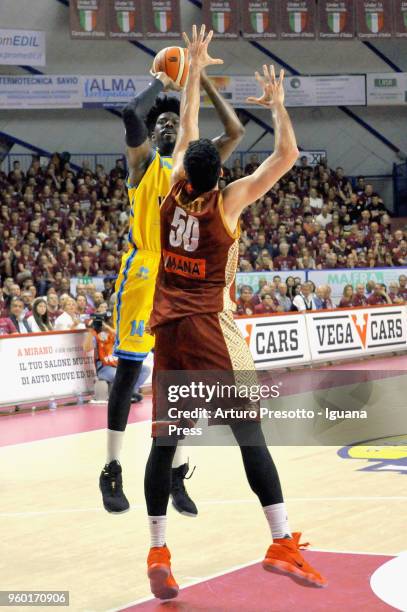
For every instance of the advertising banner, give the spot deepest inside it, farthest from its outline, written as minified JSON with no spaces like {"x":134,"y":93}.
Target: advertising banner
{"x":387,"y":89}
{"x":40,"y":91}
{"x":44,"y":366}
{"x":22,"y":47}
{"x":110,"y":91}
{"x":400,"y":18}
{"x":125,"y":19}
{"x":337,"y":279}
{"x":162,"y":19}
{"x":297,"y":18}
{"x":336,"y":19}
{"x":87,"y":18}
{"x":252,"y":278}
{"x":277,"y":341}
{"x":337,"y":90}
{"x":222,"y":17}
{"x":357,"y":332}
{"x":259,"y":19}
{"x":374,"y":18}
{"x":314,"y":158}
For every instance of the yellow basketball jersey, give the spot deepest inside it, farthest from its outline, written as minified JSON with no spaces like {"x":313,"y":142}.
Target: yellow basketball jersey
{"x":145,"y":200}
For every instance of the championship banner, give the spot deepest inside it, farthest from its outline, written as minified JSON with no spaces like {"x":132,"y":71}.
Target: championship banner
{"x":40,"y":91}
{"x":87,"y":18}
{"x":337,"y":279}
{"x":336,"y":19}
{"x":374,"y":18}
{"x":222,"y":17}
{"x":125,"y":19}
{"x":387,"y":89}
{"x":276,"y":341}
{"x":400,"y":18}
{"x":110,"y":91}
{"x":356,"y":332}
{"x":259,"y":19}
{"x":44,"y":366}
{"x":162,"y":19}
{"x":297,"y":18}
{"x":22,"y":47}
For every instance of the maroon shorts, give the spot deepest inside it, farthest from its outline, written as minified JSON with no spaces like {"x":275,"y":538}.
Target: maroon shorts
{"x":210,"y":342}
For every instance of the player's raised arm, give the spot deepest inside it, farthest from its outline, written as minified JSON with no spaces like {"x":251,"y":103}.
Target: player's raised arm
{"x":139,"y":147}
{"x":190,"y":100}
{"x":247,"y":190}
{"x":234,"y":131}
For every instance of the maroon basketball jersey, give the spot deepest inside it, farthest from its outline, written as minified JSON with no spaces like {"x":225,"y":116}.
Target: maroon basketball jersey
{"x":199,"y":257}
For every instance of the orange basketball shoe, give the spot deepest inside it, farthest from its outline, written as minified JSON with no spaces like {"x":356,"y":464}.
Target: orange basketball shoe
{"x":162,"y":581}
{"x":284,"y":557}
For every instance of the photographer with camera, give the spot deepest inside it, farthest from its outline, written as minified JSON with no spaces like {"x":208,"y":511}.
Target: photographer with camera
{"x":101,"y":338}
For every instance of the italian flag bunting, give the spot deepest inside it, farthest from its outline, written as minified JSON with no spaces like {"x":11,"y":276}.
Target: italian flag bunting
{"x":162,"y":20}
{"x":375,"y":22}
{"x":87,"y":20}
{"x":259,"y":22}
{"x":221,"y":22}
{"x":126,"y":21}
{"x":298,"y":21}
{"x":336,"y":22}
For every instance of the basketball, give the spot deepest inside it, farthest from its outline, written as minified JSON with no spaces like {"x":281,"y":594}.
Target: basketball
{"x":174,"y":62}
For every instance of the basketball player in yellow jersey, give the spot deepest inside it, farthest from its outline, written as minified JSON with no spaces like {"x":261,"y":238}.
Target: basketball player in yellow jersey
{"x":151,"y":124}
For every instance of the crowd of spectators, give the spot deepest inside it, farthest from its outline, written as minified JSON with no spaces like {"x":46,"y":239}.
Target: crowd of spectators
{"x":58,"y":222}
{"x":314,"y":218}
{"x":293,"y":294}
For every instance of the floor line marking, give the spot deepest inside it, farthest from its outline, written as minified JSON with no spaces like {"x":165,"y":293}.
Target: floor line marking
{"x":199,"y":503}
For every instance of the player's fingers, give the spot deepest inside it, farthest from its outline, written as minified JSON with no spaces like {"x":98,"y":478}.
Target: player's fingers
{"x":266,"y":72}
{"x":258,"y":77}
{"x":272,"y":73}
{"x":202,"y":32}
{"x":252,"y":100}
{"x":209,"y":38}
{"x":216,"y":61}
{"x":186,"y":39}
{"x":281,"y":79}
{"x":194,"y":33}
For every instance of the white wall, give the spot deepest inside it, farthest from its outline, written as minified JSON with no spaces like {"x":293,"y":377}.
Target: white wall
{"x":347,"y":143}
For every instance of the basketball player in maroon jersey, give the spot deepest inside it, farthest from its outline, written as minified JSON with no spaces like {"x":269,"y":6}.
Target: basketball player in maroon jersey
{"x":192,"y":315}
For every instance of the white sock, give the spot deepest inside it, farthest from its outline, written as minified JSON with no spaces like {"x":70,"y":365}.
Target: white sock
{"x":277,"y":518}
{"x":179,"y":457}
{"x":114,"y":445}
{"x":157,"y":526}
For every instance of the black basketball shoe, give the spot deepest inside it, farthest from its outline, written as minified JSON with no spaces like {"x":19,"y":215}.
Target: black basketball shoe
{"x":180,"y":498}
{"x":111,"y":487}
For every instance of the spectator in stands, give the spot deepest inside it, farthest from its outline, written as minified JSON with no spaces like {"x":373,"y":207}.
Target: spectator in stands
{"x":378,"y":296}
{"x":304,"y":300}
{"x":291,"y":287}
{"x":347,"y":297}
{"x":53,"y":307}
{"x":69,"y":319}
{"x":393,"y":293}
{"x":324,"y":218}
{"x":282,"y":297}
{"x":17,"y":316}
{"x":284,"y":261}
{"x":39,"y":320}
{"x":7,"y":327}
{"x":359,"y":298}
{"x":269,"y":304}
{"x":319,"y":298}
{"x":245,"y":304}
{"x":403,"y":286}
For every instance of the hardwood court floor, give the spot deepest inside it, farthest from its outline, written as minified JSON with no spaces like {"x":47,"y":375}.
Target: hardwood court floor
{"x":54,"y":533}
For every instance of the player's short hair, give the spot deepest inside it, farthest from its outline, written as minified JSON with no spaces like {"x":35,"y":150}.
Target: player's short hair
{"x":202,"y":165}
{"x":162,"y":104}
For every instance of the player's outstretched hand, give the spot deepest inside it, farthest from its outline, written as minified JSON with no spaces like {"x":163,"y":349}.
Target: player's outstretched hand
{"x":273,"y":90}
{"x":198,"y":48}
